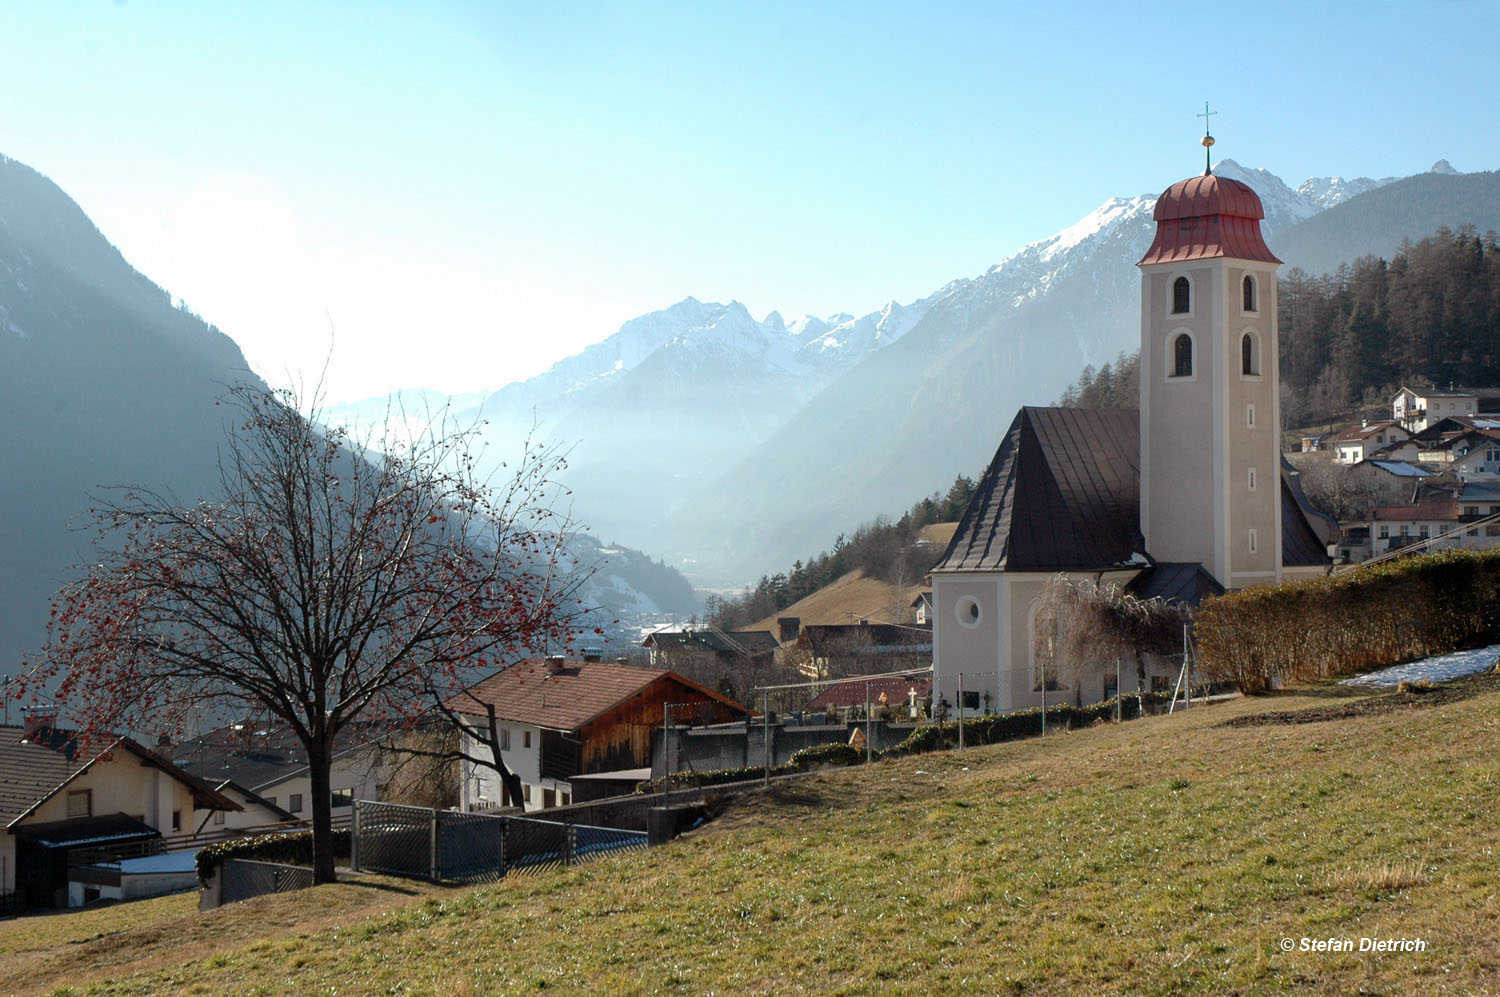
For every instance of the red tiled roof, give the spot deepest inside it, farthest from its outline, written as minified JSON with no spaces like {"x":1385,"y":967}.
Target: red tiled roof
{"x":852,"y":692}
{"x":1413,"y":513}
{"x":1360,"y":432}
{"x":530,"y":692}
{"x":1205,"y":217}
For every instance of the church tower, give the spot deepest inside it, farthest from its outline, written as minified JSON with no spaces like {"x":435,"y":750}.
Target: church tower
{"x":1210,"y":419}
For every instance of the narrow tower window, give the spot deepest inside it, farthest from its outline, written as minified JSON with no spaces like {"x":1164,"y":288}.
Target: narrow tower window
{"x":1180,"y":296}
{"x":1254,"y":542}
{"x":1182,"y":356}
{"x":1249,"y":358}
{"x":1249,"y":293}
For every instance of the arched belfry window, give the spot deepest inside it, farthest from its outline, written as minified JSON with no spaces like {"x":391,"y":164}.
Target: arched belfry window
{"x":1249,"y":285}
{"x":1182,"y":299}
{"x":1249,"y":354}
{"x":1182,"y":355}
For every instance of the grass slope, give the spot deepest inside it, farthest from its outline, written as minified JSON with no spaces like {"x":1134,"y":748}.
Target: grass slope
{"x":1167,"y":855}
{"x":848,"y":599}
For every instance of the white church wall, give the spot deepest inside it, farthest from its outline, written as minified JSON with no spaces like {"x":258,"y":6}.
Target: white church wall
{"x":963,"y":643}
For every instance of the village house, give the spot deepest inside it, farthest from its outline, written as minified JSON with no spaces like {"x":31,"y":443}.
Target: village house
{"x":557,"y":720}
{"x":1418,"y":408}
{"x":1359,"y":442}
{"x":58,"y":801}
{"x":723,"y":660}
{"x":1187,"y":495}
{"x":825,"y":650}
{"x":267,"y":760}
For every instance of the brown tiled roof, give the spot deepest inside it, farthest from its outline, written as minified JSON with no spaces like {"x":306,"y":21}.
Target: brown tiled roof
{"x":1430,"y":511}
{"x":851,"y":692}
{"x":529,"y":692}
{"x":1063,"y":491}
{"x":1360,"y":432}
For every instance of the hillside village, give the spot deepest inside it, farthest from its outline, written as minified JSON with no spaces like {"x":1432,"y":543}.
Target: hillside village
{"x":1087,"y":578}
{"x":860,"y":665}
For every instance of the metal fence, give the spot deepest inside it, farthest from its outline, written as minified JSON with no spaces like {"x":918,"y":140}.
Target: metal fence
{"x":447,"y":845}
{"x":246,"y":878}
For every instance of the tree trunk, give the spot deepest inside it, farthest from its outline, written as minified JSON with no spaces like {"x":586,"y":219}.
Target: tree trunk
{"x":319,"y":760}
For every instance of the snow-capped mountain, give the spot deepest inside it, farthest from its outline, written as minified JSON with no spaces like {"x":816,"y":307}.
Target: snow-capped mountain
{"x":735,"y":446}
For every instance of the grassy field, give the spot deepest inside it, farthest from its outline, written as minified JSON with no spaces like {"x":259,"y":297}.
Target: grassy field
{"x":1168,"y":855}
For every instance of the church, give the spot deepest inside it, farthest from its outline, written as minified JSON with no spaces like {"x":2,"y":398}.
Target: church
{"x":1187,"y":497}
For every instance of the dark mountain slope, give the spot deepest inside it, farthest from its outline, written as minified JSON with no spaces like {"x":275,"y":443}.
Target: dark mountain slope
{"x":102,"y":382}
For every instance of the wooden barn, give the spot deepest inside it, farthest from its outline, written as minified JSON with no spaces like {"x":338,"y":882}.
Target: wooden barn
{"x":557,"y":719}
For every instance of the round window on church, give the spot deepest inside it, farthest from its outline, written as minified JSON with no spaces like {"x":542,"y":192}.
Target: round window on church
{"x":968,"y":612}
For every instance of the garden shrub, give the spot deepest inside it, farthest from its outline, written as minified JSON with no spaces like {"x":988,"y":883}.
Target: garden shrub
{"x":290,"y":848}
{"x":1350,"y":622}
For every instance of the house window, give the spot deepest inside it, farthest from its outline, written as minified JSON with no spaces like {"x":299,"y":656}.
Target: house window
{"x":526,"y":792}
{"x":1471,"y":510}
{"x":567,"y":797}
{"x":1252,"y":479}
{"x":1385,"y":531}
{"x":504,"y":738}
{"x":176,"y":821}
{"x":1250,"y":416}
{"x":1249,"y":293}
{"x":1422,"y":530}
{"x":549,"y":799}
{"x":1254,"y":542}
{"x":1181,"y":296}
{"x":1406,"y":529}
{"x":1182,"y":354}
{"x":80,"y":803}
{"x":525,"y":738}
{"x":1249,"y":355}
{"x":295,"y":806}
{"x":218,"y":817}
{"x":1492,"y":530}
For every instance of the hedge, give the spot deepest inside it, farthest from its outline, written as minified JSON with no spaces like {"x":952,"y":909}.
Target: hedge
{"x":289,"y":848}
{"x":1354,"y":621}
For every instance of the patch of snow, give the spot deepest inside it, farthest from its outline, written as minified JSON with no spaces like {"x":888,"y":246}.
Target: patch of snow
{"x":1437,"y":669}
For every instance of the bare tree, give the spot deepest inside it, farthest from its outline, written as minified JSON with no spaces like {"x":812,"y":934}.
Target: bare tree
{"x":332,"y":581}
{"x":1082,"y":628}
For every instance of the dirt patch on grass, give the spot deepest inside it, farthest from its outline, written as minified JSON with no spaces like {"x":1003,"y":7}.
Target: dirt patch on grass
{"x":1452,"y":691}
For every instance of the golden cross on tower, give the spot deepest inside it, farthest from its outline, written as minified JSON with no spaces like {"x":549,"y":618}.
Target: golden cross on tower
{"x":1208,"y":140}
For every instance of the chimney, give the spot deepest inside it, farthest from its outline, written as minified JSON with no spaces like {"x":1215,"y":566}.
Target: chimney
{"x":164,"y":744}
{"x":554,"y":664}
{"x":593,"y":654}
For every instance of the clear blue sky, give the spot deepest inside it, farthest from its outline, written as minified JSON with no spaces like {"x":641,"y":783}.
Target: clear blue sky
{"x":465,"y":193}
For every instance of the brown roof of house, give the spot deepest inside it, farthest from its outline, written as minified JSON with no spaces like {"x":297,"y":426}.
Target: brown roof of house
{"x":1429,"y":511}
{"x":851,"y":692}
{"x":1063,"y":491}
{"x":532,"y":692}
{"x":1360,"y":432}
{"x":34,"y":765}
